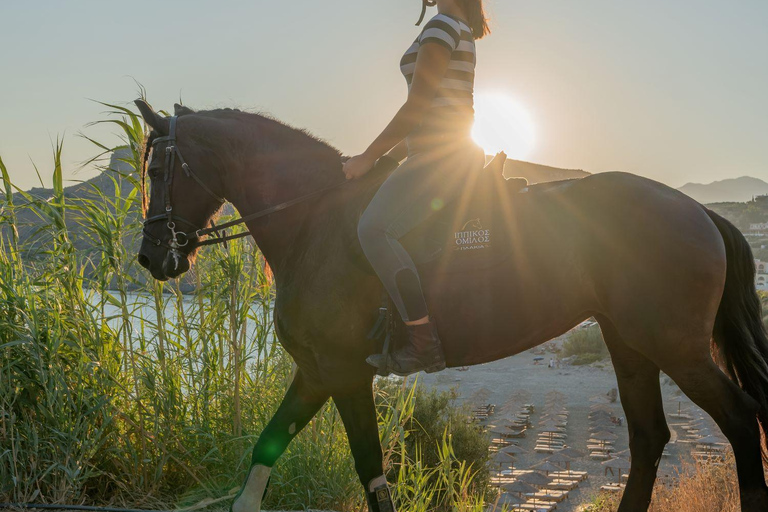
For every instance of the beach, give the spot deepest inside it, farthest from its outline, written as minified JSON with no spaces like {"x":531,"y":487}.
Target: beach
{"x":509,"y":383}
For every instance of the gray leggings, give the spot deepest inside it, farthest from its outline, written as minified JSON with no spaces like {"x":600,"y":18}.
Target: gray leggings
{"x":420,"y":187}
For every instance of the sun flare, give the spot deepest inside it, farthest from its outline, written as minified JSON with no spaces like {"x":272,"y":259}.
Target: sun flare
{"x":502,"y":124}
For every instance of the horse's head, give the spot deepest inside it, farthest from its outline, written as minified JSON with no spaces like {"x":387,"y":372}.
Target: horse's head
{"x":185,"y":191}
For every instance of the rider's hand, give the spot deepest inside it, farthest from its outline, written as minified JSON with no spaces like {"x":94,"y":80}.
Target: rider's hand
{"x":358,"y":166}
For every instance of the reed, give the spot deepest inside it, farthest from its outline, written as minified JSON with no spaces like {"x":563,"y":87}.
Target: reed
{"x":117,"y":389}
{"x":699,"y":488}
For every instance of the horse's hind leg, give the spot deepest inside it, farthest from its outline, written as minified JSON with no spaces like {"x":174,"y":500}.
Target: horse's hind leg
{"x":300,"y":404}
{"x":638,"y":380}
{"x":735,"y":413}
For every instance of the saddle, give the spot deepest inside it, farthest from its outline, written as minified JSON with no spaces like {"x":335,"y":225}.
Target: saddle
{"x":468,"y":234}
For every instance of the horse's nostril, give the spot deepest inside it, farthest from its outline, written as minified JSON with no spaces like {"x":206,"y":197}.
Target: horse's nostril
{"x":144,"y":261}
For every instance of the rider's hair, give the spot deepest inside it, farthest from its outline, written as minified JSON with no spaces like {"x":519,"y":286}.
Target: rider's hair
{"x":476,"y":17}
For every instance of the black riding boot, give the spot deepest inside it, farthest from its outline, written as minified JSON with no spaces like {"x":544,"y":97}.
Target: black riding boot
{"x":424,"y":352}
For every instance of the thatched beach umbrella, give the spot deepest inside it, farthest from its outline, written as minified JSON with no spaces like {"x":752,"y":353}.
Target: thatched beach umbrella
{"x":573,"y":453}
{"x":709,"y":442}
{"x":550,"y":427}
{"x":547,"y":467}
{"x":559,"y":458}
{"x":554,"y":420}
{"x":534,"y":478}
{"x":505,"y":502}
{"x":618,"y":464}
{"x":512,"y":449}
{"x":503,"y":458}
{"x":519,"y":487}
{"x":626,"y":454}
{"x":529,"y":476}
{"x":504,"y":431}
{"x":603,"y":437}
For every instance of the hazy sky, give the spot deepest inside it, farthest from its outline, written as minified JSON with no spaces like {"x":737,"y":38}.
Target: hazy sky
{"x":673,"y":90}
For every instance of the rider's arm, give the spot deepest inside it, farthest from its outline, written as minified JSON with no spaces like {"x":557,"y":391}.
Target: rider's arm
{"x":399,"y":152}
{"x":431,"y":64}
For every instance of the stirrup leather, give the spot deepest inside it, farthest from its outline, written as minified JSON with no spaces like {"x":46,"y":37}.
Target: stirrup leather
{"x":384,"y":328}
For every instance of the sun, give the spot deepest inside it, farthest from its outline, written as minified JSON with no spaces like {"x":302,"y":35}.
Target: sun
{"x":502,"y":124}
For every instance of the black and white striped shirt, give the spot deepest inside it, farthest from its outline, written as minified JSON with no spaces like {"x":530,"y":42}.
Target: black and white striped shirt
{"x":452,"y":111}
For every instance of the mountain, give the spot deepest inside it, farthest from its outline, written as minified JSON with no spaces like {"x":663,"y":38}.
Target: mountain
{"x":737,"y":190}
{"x":537,"y":173}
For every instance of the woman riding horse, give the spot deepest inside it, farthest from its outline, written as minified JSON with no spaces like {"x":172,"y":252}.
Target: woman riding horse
{"x":690,"y":289}
{"x":433,"y":129}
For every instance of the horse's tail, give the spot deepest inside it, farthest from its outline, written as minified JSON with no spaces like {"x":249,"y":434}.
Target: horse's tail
{"x":739,"y":331}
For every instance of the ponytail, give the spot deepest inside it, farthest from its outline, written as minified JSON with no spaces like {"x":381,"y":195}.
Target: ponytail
{"x":476,"y":17}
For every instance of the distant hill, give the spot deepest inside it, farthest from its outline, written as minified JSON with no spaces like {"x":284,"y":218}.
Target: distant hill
{"x":537,"y":173}
{"x":735,"y":190}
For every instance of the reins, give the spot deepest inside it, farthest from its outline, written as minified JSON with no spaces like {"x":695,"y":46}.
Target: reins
{"x":181,"y":239}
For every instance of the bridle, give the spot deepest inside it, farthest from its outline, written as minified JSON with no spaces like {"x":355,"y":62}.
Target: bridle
{"x":180,"y":239}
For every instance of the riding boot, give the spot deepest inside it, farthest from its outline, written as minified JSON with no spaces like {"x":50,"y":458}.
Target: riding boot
{"x":424,"y":352}
{"x":378,"y":496}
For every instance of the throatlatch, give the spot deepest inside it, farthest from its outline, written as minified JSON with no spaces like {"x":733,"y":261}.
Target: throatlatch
{"x":383,"y":331}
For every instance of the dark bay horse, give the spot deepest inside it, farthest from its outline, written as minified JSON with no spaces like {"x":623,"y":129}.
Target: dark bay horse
{"x":663,"y":276}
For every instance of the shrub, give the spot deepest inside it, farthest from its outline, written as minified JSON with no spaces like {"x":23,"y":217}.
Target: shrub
{"x":587,"y":344}
{"x":435,"y":413}
{"x":588,"y":358}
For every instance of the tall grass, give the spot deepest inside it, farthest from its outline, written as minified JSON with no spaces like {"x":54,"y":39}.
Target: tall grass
{"x":117,"y":389}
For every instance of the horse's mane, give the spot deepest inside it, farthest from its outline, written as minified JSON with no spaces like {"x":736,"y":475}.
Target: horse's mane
{"x":298,"y":136}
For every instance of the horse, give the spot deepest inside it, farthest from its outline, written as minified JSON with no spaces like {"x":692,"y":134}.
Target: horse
{"x":670,"y":283}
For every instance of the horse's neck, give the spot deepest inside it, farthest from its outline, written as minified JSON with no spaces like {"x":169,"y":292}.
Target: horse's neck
{"x":269,"y":178}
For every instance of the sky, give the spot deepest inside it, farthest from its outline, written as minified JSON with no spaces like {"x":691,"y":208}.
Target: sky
{"x":676,"y":91}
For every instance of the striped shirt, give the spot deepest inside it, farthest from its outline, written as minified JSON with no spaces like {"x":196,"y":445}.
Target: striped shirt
{"x":451,"y":114}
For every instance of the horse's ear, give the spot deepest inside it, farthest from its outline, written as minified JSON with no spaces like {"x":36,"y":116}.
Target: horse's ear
{"x":159,"y":123}
{"x":181,"y":110}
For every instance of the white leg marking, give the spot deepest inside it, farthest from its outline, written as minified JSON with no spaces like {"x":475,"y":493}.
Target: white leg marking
{"x":376,"y":482}
{"x":250,"y":499}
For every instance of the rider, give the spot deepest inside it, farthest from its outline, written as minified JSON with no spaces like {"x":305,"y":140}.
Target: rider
{"x":432,"y":129}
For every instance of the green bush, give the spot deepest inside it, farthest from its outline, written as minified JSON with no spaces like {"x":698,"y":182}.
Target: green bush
{"x":588,"y":358}
{"x":586,"y":344}
{"x":436,"y":412}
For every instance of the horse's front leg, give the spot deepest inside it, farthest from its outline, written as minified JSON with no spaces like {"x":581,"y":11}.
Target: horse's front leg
{"x":299,"y":406}
{"x":358,"y":412}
